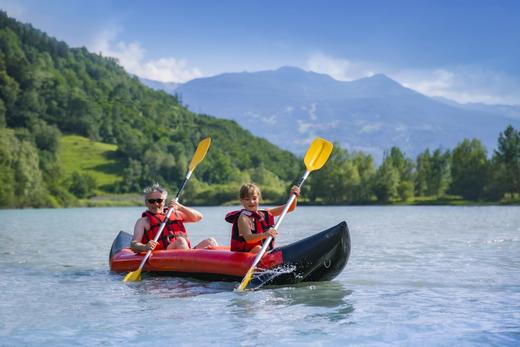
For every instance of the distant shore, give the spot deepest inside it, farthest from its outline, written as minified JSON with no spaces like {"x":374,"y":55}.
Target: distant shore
{"x":129,"y":200}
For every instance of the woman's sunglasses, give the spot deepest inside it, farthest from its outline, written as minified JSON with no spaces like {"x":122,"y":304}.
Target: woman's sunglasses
{"x":153,"y":201}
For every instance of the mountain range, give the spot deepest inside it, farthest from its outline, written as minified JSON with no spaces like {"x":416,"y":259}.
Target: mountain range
{"x":290,"y":106}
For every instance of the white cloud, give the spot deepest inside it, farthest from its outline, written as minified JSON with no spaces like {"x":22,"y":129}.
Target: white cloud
{"x":338,"y":68}
{"x":132,"y":57}
{"x":463,"y":84}
{"x":169,"y":70}
{"x":271,"y":119}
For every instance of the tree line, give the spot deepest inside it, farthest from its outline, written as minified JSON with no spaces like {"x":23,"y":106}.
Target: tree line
{"x":466,"y":171}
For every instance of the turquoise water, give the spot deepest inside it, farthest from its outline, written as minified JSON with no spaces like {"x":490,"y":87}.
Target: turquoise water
{"x":417,"y":276}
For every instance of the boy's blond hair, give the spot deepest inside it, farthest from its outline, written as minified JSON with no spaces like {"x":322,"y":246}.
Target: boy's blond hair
{"x":248,"y":189}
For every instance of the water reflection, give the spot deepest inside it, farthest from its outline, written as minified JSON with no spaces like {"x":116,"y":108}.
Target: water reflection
{"x":317,"y":300}
{"x":332,"y":296}
{"x":178,"y":287}
{"x":320,"y":294}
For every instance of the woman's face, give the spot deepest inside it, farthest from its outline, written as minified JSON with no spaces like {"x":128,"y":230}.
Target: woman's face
{"x":155,"y":202}
{"x":251,"y":202}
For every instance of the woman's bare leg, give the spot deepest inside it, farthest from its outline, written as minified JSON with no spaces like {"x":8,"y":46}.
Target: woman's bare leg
{"x":206,"y":243}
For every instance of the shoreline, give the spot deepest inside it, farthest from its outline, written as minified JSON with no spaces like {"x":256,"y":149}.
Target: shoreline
{"x":100,"y":203}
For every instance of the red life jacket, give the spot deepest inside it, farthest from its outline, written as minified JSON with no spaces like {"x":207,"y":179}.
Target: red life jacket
{"x":262,"y":221}
{"x":173,"y":229}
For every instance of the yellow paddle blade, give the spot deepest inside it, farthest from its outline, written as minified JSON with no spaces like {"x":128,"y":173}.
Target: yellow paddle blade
{"x":317,"y":154}
{"x":200,"y":153}
{"x":133,"y":276}
{"x":246,"y":279}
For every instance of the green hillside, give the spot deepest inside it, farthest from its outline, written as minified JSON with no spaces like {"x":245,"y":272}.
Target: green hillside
{"x":49,"y":92}
{"x":79,"y":154}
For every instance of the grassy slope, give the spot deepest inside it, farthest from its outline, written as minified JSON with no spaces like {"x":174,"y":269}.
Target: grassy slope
{"x":84,"y":156}
{"x":79,"y":154}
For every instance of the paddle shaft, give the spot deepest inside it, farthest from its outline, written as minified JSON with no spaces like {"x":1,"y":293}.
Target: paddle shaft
{"x":163,"y":224}
{"x":280,"y":219}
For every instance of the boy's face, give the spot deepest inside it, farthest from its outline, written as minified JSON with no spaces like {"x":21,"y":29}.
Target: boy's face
{"x":251,"y":202}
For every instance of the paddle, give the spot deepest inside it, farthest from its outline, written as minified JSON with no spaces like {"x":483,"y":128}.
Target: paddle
{"x":200,"y":153}
{"x":314,"y":159}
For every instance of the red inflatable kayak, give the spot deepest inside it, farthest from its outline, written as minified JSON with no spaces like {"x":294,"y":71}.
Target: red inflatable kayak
{"x":316,"y":258}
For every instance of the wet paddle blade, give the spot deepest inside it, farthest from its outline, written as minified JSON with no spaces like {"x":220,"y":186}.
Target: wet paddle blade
{"x":200,"y":153}
{"x":133,"y":276}
{"x":246,"y":279}
{"x":317,"y":154}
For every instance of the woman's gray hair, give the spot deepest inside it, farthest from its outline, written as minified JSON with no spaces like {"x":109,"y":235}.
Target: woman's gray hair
{"x":155,"y":188}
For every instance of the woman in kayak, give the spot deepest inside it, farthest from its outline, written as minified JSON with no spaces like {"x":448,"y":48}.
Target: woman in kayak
{"x":174,"y":234}
{"x":252,"y":225}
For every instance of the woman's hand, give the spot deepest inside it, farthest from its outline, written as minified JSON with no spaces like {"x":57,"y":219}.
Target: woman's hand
{"x":150,"y":246}
{"x":174,"y":204}
{"x":295,"y":190}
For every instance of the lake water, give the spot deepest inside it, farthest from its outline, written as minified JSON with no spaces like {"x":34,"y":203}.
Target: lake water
{"x":417,"y":276}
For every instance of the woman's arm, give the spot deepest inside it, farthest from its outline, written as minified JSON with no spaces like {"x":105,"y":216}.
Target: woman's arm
{"x":136,"y":244}
{"x":186,"y":214}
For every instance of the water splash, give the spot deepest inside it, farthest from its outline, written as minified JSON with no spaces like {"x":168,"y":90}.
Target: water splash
{"x":265,"y":276}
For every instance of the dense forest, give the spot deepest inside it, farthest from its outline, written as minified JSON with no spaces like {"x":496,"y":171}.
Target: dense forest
{"x":49,"y":90}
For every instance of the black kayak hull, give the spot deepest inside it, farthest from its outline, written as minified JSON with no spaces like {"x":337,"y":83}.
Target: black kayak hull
{"x":320,"y":257}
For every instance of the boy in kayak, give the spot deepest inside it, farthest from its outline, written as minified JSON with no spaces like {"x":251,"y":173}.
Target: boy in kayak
{"x":251,"y":225}
{"x":174,"y":234}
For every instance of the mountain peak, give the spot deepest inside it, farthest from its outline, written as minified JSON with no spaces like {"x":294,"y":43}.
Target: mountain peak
{"x":290,"y":69}
{"x":380,"y":79}
{"x":298,"y":75}
{"x":381,"y":84}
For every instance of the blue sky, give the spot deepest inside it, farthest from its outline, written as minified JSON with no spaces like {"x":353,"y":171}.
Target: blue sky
{"x":468,"y":51}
